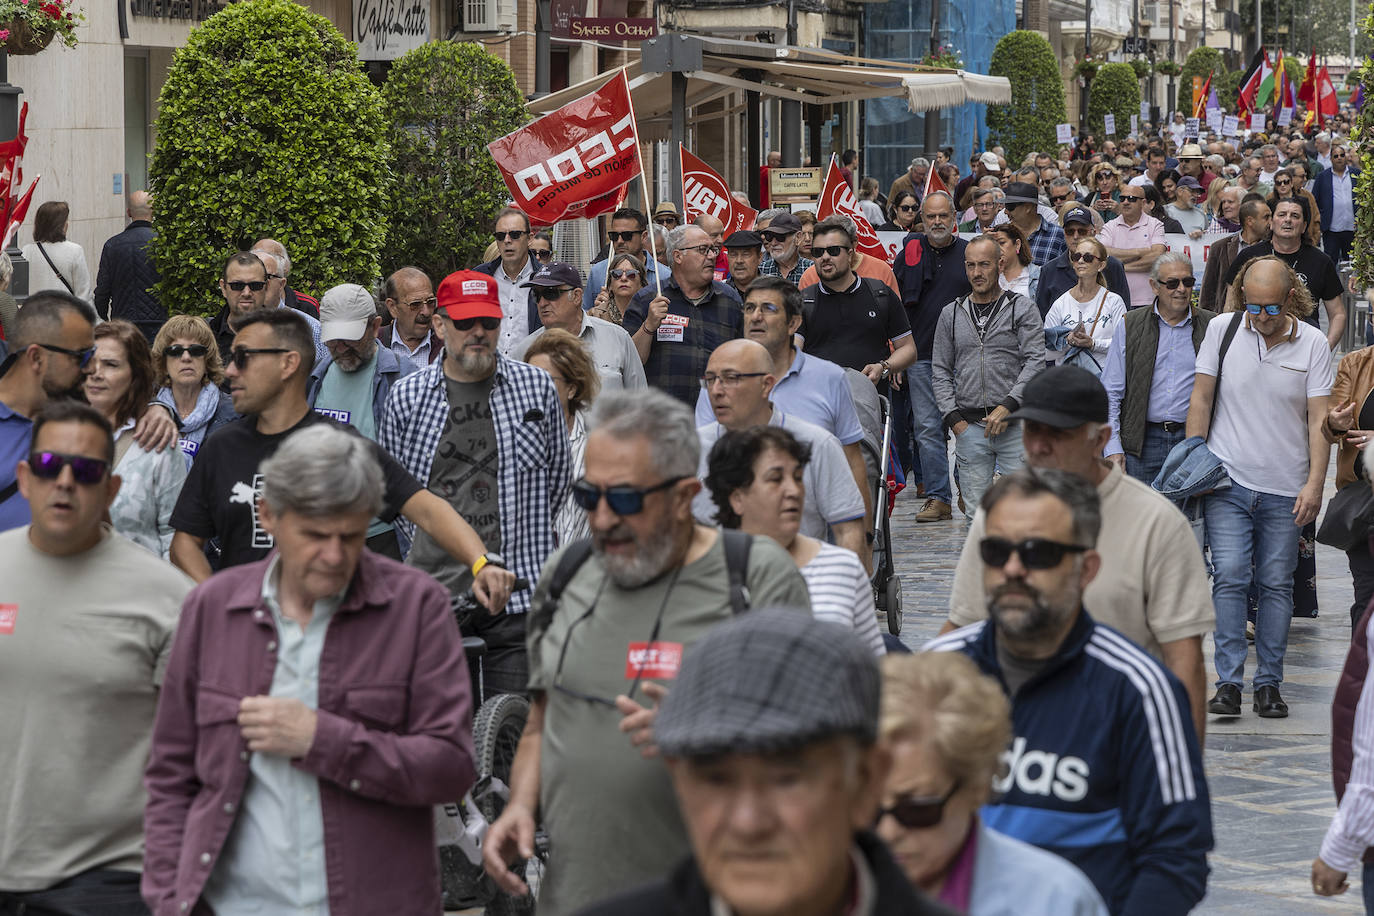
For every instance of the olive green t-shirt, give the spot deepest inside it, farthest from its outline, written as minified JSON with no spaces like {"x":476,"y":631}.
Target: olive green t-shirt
{"x":611,"y":815}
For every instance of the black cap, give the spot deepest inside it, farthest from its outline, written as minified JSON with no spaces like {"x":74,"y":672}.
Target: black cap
{"x":556,"y":274}
{"x":1063,"y":397}
{"x":785,"y":222}
{"x":1079,"y":214}
{"x":1021,"y":192}
{"x":744,"y":238}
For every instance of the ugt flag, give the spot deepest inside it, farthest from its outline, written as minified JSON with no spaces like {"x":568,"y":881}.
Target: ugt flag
{"x":575,"y":161}
{"x":704,"y":192}
{"x":837,"y":197}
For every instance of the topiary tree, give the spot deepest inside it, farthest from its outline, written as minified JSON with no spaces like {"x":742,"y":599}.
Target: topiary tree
{"x":1200,"y":62}
{"x":444,"y":102}
{"x":267,"y":126}
{"x":1037,"y":95}
{"x":1116,"y":91}
{"x":1363,"y":248}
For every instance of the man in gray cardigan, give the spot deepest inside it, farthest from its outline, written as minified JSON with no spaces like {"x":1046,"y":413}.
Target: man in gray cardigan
{"x":987,"y":346}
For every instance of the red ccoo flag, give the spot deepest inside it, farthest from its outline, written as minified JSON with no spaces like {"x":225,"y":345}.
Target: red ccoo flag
{"x":575,"y":161}
{"x":704,"y":192}
{"x":838,"y":197}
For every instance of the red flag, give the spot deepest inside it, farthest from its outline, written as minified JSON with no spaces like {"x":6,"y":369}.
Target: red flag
{"x":838,"y":197}
{"x":1328,"y":106}
{"x":704,"y":192}
{"x":934,"y":183}
{"x":17,"y":217}
{"x":1307,"y":92}
{"x":575,"y":161}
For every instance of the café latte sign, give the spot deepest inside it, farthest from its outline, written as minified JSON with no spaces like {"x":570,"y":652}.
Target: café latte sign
{"x":386,"y":29}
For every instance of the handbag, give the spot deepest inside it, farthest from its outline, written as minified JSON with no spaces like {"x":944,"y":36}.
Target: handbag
{"x":1346,"y":523}
{"x":44,"y":252}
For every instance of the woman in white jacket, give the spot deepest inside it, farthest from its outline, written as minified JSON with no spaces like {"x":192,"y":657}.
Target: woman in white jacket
{"x":55,"y":262}
{"x":1080,"y":323}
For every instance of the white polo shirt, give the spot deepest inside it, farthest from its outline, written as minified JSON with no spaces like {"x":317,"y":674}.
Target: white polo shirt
{"x":1260,"y":428}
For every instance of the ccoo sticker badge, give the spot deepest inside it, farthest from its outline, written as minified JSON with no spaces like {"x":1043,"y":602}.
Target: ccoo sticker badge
{"x":9,"y":613}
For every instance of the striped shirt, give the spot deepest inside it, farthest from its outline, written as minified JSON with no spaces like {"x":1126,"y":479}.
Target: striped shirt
{"x":1352,"y":829}
{"x":841,"y":594}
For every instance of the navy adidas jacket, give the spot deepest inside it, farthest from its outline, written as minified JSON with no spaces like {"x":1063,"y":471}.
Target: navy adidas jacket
{"x":1104,"y":768}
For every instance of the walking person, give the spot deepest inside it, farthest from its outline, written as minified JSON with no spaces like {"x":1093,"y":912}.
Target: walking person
{"x":185,"y":354}
{"x":55,"y":262}
{"x":1080,"y":323}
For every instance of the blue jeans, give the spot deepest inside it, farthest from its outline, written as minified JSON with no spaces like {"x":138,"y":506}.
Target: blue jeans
{"x":977,"y":457}
{"x":929,"y":427}
{"x":1153,"y":450}
{"x":1367,"y":889}
{"x":1245,"y":526}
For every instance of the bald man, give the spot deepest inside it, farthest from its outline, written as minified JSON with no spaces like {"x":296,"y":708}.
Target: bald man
{"x":291,"y":298}
{"x":409,"y":299}
{"x":124,"y":283}
{"x":716,"y":230}
{"x":739,"y":377}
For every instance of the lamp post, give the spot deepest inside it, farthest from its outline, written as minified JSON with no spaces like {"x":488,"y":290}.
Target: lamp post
{"x":1087,"y":53}
{"x":9,"y":129}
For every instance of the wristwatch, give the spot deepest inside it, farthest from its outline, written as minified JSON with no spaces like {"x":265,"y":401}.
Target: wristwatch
{"x":887,"y":369}
{"x":488,"y":559}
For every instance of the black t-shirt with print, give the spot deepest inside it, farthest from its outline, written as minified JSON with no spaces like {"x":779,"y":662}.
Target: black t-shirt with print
{"x":219,"y":498}
{"x":1313,"y":267}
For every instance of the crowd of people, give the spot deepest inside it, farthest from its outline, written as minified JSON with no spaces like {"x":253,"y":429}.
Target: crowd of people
{"x":236,"y":682}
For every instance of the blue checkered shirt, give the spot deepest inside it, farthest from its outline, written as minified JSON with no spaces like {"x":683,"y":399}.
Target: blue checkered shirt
{"x":676,"y":364}
{"x":1047,"y":243}
{"x":532,"y":452}
{"x":769,"y":268}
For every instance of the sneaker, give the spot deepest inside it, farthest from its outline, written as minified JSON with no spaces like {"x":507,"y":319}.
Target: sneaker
{"x":934,"y":510}
{"x":1226,"y":702}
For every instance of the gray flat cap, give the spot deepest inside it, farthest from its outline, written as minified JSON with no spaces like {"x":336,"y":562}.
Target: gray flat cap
{"x":770,"y":680}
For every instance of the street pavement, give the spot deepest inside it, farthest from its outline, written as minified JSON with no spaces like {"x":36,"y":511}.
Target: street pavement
{"x":1270,"y":779}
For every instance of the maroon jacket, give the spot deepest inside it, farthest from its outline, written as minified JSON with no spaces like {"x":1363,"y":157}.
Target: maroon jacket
{"x":394,"y":737}
{"x":1343,"y":705}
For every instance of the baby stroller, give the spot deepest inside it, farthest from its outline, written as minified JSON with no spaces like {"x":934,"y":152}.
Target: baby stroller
{"x":875,"y":416}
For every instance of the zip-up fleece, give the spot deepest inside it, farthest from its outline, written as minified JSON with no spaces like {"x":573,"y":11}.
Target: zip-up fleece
{"x":973,"y":373}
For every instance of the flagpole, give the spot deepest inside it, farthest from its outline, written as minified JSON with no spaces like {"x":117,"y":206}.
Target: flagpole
{"x":648,"y":211}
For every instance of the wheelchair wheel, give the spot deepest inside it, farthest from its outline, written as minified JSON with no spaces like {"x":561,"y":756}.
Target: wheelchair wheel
{"x":495,"y":736}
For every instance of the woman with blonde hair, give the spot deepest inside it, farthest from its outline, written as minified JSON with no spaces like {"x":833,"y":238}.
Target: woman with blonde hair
{"x":1080,"y":323}
{"x":1103,"y":194}
{"x":189,"y":371}
{"x":574,"y":374}
{"x":946,"y":726}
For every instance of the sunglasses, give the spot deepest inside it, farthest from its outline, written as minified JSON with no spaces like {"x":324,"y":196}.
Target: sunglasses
{"x":622,"y":236}
{"x":87,"y":471}
{"x":513,"y":235}
{"x":908,"y":208}
{"x":833,"y":250}
{"x":416,"y":304}
{"x":1035,"y":553}
{"x":1283,"y":183}
{"x":666,"y":221}
{"x":542,"y":254}
{"x":623,"y":500}
{"x":1254,"y":308}
{"x":550,"y":293}
{"x":239,"y":356}
{"x":1126,"y":197}
{"x":81,"y":356}
{"x":238,"y":285}
{"x":918,"y":813}
{"x":1082,"y":256}
{"x":466,"y":324}
{"x":176,"y":351}
{"x":1058,"y":200}
{"x":1173,"y":282}
{"x":624,"y":274}
{"x":776,"y":236}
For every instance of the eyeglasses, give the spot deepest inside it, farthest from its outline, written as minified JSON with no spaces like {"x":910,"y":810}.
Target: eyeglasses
{"x":1082,"y":256}
{"x":1060,"y":199}
{"x":239,"y":355}
{"x":626,"y":273}
{"x":81,"y":356}
{"x":666,"y":221}
{"x":1173,"y":282}
{"x":550,"y":293}
{"x":1283,"y":182}
{"x":777,"y":236}
{"x":542,"y":254}
{"x":623,"y":500}
{"x":728,"y":379}
{"x":1269,"y":308}
{"x":1035,"y":553}
{"x":905,"y":208}
{"x":238,"y":285}
{"x":918,"y":813}
{"x":768,"y":308}
{"x":416,"y":304}
{"x":833,"y":251}
{"x":1126,"y":197}
{"x":707,"y":250}
{"x":513,"y":235}
{"x":49,"y":465}
{"x":623,"y":236}
{"x":466,"y":324}
{"x":176,"y":351}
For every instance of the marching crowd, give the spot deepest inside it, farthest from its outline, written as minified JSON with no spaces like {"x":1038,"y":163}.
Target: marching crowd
{"x":235,"y":683}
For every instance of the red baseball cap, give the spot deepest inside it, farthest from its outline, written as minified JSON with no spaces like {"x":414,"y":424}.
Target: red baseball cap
{"x":469,"y":294}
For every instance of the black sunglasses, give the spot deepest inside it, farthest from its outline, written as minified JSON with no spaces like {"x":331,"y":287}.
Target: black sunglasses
{"x":1125,"y":197}
{"x":776,"y":236}
{"x":465,"y":324}
{"x":1082,"y":256}
{"x":1060,"y":199}
{"x":542,"y":254}
{"x":1173,"y":282}
{"x":81,"y":356}
{"x":833,"y":250}
{"x":176,"y":351}
{"x":918,"y":813}
{"x":623,"y":500}
{"x":1035,"y":553}
{"x":551,"y":293}
{"x":513,"y":234}
{"x":238,"y":285}
{"x":908,"y":208}
{"x":623,"y":236}
{"x":239,"y":355}
{"x":48,"y":465}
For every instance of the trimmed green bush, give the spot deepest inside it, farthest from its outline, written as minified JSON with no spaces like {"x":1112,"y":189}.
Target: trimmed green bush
{"x":444,"y":102}
{"x":1114,"y":90}
{"x":267,"y":126}
{"x":1037,"y":95}
{"x":1201,"y":62}
{"x":1363,"y":248}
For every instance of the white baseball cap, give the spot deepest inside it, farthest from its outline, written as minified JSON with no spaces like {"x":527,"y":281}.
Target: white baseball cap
{"x":345,"y":312}
{"x":989,"y":161}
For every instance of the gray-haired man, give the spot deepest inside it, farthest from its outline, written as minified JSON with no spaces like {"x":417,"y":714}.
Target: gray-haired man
{"x":651,"y":585}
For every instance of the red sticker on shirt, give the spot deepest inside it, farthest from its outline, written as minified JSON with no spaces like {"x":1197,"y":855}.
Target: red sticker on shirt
{"x":659,"y":660}
{"x":913,"y":252}
{"x":9,"y":613}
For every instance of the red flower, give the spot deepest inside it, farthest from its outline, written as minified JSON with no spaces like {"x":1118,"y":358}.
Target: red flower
{"x":53,"y":10}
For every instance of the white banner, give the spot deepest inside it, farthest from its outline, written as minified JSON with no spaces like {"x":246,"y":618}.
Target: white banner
{"x":1194,"y":248}
{"x":1109,"y":124}
{"x":1230,"y":125}
{"x":1063,"y":133}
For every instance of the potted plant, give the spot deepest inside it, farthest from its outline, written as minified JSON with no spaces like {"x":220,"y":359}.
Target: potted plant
{"x":945,"y":56}
{"x":1141,"y":68}
{"x":1168,"y":67}
{"x":29,"y":26}
{"x":1087,"y":67}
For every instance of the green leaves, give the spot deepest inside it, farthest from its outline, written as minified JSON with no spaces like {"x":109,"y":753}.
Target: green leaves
{"x":1037,"y":95}
{"x":1115,"y":90}
{"x":1200,"y":62}
{"x":1363,"y":249}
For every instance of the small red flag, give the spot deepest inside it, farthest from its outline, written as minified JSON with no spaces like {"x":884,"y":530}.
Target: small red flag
{"x":704,"y":192}
{"x":838,"y":197}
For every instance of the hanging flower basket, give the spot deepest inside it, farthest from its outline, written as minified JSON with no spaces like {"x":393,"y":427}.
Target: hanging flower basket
{"x":29,"y":26}
{"x":1168,"y":68}
{"x":22,"y":39}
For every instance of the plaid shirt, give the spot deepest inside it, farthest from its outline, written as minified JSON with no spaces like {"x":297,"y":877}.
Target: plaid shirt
{"x":532,"y":451}
{"x":677,"y":361}
{"x":769,"y":268}
{"x":1047,"y":243}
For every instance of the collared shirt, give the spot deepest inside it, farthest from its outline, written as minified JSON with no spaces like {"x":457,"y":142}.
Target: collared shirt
{"x":1047,"y":242}
{"x":1349,"y":834}
{"x":1342,"y":203}
{"x":862,"y":902}
{"x":813,"y":389}
{"x":420,"y":355}
{"x":611,"y":349}
{"x":532,"y":446}
{"x":515,"y":305}
{"x":769,"y":268}
{"x":1146,"y":232}
{"x":16,"y":439}
{"x":274,"y":856}
{"x":1171,"y":386}
{"x":688,"y":335}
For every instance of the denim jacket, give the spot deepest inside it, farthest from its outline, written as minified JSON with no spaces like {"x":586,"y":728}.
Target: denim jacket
{"x":1191,"y":469}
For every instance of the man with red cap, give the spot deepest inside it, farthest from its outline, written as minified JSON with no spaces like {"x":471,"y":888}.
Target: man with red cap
{"x":486,"y":434}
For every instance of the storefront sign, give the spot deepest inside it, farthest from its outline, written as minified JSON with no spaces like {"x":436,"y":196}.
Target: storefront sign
{"x":794,"y":183}
{"x":613,"y":29}
{"x":386,"y":29}
{"x":188,"y":10}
